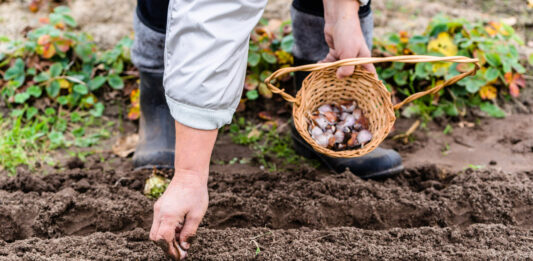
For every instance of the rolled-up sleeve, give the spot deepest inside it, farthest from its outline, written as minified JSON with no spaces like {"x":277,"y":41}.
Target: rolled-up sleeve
{"x":206,"y":50}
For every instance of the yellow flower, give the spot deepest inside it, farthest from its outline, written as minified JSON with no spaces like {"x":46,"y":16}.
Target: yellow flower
{"x":404,"y":37}
{"x":443,"y":44}
{"x":488,"y":92}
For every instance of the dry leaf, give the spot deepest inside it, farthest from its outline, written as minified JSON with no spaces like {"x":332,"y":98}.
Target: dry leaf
{"x":488,"y":92}
{"x":124,"y":146}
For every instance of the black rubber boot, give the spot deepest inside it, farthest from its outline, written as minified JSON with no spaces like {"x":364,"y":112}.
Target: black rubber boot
{"x":156,"y":127}
{"x":379,"y":163}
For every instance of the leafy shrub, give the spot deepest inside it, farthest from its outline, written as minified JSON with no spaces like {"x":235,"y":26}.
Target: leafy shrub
{"x":270,"y":49}
{"x":494,"y":44}
{"x":55,"y":77}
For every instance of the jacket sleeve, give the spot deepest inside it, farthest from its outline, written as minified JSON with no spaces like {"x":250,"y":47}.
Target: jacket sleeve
{"x":206,"y":50}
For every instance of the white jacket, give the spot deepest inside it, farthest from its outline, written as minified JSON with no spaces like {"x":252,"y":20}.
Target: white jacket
{"x":206,"y":50}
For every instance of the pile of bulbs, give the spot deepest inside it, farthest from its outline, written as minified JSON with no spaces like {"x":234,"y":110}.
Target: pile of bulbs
{"x":339,"y":126}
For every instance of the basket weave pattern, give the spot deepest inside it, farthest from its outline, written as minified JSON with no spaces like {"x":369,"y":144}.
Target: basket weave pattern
{"x":371,"y":95}
{"x":323,"y":87}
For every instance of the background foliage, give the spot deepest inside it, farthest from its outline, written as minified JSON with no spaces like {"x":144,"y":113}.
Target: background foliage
{"x":494,"y":44}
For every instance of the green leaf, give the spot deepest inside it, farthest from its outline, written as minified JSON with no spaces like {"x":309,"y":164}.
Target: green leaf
{"x":63,"y":100}
{"x":451,"y":109}
{"x":69,"y":21}
{"x":493,"y":59}
{"x":252,"y":95}
{"x":61,"y":10}
{"x":56,"y":138}
{"x":19,"y":80}
{"x":15,"y":71}
{"x":53,"y":89}
{"x":422,"y":70}
{"x":491,"y":74}
{"x":417,"y":39}
{"x":118,"y":66}
{"x":50,"y":111}
{"x":41,"y":77}
{"x":79,"y":132}
{"x":96,"y":83}
{"x":115,"y":81}
{"x":34,"y":91}
{"x":31,"y":71}
{"x":98,"y":110}
{"x":80,"y":89}
{"x":17,"y":112}
{"x":21,"y":97}
{"x":437,"y":29}
{"x":387,"y":73}
{"x":531,"y":59}
{"x":264,"y":74}
{"x":492,"y":110}
{"x":394,"y":38}
{"x":401,"y":78}
{"x":287,"y":43}
{"x":518,"y":67}
{"x":56,"y":69}
{"x":75,"y":117}
{"x":85,"y":52}
{"x":269,"y":58}
{"x":31,"y":112}
{"x":253,"y":59}
{"x":60,"y":124}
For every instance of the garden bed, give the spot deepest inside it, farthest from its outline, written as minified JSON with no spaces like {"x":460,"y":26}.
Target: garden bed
{"x":96,"y":210}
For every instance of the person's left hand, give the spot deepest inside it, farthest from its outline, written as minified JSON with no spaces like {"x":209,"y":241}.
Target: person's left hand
{"x":344,"y":37}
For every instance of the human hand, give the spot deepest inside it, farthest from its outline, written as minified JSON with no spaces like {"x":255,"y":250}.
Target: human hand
{"x":178,"y":213}
{"x":344,"y":35}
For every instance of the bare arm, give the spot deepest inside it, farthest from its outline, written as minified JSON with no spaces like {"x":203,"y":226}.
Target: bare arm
{"x":178,"y":213}
{"x":344,"y":35}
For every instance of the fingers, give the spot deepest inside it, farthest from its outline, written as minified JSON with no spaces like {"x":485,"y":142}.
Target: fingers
{"x":370,"y":67}
{"x":188,"y":231}
{"x":330,"y":57}
{"x":345,"y":71}
{"x":167,"y":232}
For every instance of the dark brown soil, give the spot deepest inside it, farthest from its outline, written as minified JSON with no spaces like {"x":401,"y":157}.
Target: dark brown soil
{"x":97,"y":212}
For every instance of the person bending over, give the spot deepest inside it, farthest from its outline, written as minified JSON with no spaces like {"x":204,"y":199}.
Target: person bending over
{"x":192,"y":58}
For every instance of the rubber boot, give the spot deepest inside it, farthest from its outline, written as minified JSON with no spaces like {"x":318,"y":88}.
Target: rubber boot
{"x":379,"y":163}
{"x":156,"y":127}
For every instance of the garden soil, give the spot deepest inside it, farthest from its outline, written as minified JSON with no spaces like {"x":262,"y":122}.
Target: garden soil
{"x":95,"y":210}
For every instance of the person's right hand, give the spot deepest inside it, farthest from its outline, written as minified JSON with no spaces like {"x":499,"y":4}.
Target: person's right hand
{"x":178,"y":213}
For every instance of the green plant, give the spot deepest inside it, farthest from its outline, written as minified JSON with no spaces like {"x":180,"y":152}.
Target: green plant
{"x":26,"y":141}
{"x":272,"y":149}
{"x":155,"y":186}
{"x":52,"y":81}
{"x":270,"y":49}
{"x":494,"y":44}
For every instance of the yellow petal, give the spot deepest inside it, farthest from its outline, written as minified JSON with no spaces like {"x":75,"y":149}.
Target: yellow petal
{"x":488,"y":92}
{"x":443,"y":44}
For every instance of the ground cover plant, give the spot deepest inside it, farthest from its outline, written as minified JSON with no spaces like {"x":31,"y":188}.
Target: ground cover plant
{"x":495,"y":44}
{"x":53,"y":82}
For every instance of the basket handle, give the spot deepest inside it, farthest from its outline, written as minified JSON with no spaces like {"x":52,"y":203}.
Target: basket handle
{"x":366,"y":60}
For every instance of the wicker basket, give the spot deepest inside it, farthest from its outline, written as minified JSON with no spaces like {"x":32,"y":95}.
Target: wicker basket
{"x":322,"y":86}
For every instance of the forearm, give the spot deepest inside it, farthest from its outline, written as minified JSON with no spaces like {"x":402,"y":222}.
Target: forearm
{"x":335,"y":10}
{"x":192,"y":154}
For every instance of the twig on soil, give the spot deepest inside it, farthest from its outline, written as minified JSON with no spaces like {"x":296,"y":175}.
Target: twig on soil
{"x":405,"y":136}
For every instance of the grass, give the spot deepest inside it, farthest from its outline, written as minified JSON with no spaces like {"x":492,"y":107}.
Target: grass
{"x":28,"y":140}
{"x":272,"y":149}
